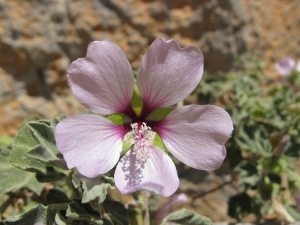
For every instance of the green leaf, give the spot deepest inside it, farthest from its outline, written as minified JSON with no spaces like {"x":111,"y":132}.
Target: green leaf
{"x":56,"y":196}
{"x":93,"y":188}
{"x":249,"y":175}
{"x":161,"y":113}
{"x":79,"y":211}
{"x":35,"y":215}
{"x":137,"y":101}
{"x":34,"y":150}
{"x":274,"y":165}
{"x":13,"y":178}
{"x":186,"y":217}
{"x":117,"y":212}
{"x":293,"y":211}
{"x":239,"y":206}
{"x":24,"y":142}
{"x":43,"y":131}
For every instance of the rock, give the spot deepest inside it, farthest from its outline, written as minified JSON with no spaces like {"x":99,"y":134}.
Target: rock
{"x":39,"y":39}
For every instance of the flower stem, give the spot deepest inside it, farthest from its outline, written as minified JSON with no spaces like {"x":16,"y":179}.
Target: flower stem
{"x":145,"y":197}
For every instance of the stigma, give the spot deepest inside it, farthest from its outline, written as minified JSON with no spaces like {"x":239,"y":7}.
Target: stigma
{"x":141,"y":138}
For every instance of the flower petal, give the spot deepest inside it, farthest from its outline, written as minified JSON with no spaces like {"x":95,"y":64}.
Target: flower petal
{"x":196,"y":135}
{"x":285,"y":66}
{"x":157,"y":174}
{"x":90,"y":143}
{"x":168,"y":73}
{"x":298,"y":66}
{"x":102,"y":81}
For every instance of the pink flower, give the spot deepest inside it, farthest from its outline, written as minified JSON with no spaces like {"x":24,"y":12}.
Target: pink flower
{"x":103,"y":83}
{"x":286,"y":65}
{"x":168,"y":207}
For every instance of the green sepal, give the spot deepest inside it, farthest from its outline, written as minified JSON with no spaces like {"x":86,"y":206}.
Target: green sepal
{"x":135,"y":74}
{"x":158,"y":142}
{"x":137,"y":101}
{"x":186,"y":217}
{"x":117,"y":118}
{"x":161,"y":113}
{"x":126,"y":146}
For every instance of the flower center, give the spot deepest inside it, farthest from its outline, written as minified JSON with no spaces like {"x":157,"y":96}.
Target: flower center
{"x":141,"y":138}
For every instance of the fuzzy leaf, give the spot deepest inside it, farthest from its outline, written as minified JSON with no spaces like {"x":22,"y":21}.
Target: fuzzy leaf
{"x":34,"y":150}
{"x":186,"y":217}
{"x":93,"y":188}
{"x":43,"y":131}
{"x":13,"y":178}
{"x":38,"y":214}
{"x":24,"y":142}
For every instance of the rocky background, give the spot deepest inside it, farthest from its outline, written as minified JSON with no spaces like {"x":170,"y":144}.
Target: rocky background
{"x":39,"y":39}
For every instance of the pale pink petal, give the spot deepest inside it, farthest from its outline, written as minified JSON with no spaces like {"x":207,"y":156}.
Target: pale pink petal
{"x":285,"y":66}
{"x":90,"y":143}
{"x":298,"y":66}
{"x":157,"y":174}
{"x":168,"y":73}
{"x":168,"y":207}
{"x":103,"y":80}
{"x":196,"y":135}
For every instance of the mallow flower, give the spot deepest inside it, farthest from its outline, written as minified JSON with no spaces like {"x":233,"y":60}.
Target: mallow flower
{"x":103,"y":82}
{"x":286,"y":65}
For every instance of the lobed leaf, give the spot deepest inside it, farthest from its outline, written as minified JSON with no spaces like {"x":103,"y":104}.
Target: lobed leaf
{"x":186,"y":217}
{"x":93,"y":188}
{"x":13,"y":178}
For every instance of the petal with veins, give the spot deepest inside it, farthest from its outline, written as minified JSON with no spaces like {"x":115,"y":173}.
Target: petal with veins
{"x":90,"y":143}
{"x":168,"y":73}
{"x":157,"y":174}
{"x":196,"y":135}
{"x":102,"y":81}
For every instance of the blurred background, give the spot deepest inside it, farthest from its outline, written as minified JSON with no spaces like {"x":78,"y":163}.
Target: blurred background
{"x":40,"y":38}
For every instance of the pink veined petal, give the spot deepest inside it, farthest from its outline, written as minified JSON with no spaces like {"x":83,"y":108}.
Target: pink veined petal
{"x":196,"y":135}
{"x":90,"y":143}
{"x":157,"y":174}
{"x":168,"y":73}
{"x":285,"y":66}
{"x":102,"y":81}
